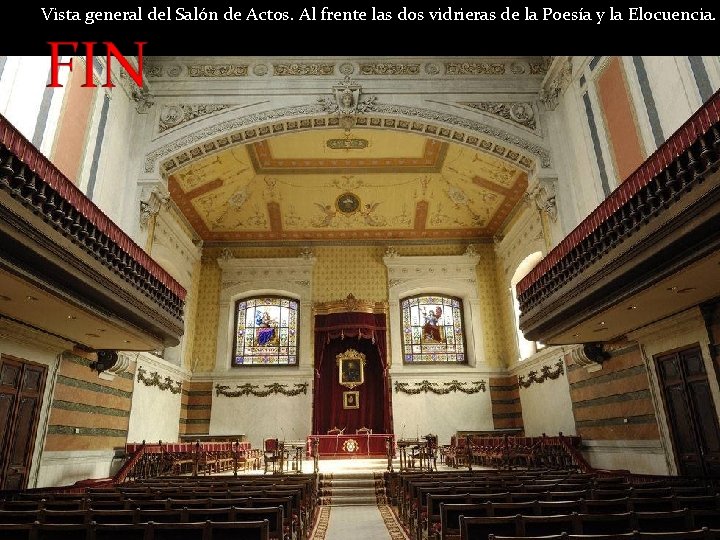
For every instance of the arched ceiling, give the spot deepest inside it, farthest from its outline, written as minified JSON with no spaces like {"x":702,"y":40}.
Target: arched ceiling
{"x":329,"y":184}
{"x":270,"y":150}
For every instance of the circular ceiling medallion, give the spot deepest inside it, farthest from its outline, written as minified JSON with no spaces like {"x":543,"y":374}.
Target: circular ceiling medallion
{"x":348,"y":203}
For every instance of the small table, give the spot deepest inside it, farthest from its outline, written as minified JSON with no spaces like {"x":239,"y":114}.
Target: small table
{"x":295,"y":455}
{"x":407,"y":461}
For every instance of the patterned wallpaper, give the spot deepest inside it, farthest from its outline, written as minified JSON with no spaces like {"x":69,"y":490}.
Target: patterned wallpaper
{"x":190,"y":316}
{"x":206,"y":316}
{"x":491,"y":305}
{"x":340,"y":270}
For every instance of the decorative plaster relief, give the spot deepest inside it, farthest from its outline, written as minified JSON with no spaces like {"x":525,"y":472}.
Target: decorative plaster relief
{"x":556,"y":81}
{"x":154,"y":380}
{"x":521,"y":114}
{"x":319,"y":68}
{"x":452,"y":386}
{"x":171,"y":116}
{"x":547,"y":374}
{"x":231,"y":132}
{"x":389,"y":68}
{"x":217,"y":70}
{"x":252,"y":389}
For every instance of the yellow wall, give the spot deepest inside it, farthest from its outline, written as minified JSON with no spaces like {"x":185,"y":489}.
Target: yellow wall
{"x":206,"y":316}
{"x":339,"y":271}
{"x":342,"y":270}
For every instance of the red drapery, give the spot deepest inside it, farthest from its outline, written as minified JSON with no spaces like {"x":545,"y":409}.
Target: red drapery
{"x":334,"y":334}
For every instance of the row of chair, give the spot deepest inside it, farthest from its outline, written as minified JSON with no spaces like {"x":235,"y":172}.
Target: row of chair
{"x":476,"y":527}
{"x":239,"y":530}
{"x":699,"y":534}
{"x":500,"y":493}
{"x":443,"y":512}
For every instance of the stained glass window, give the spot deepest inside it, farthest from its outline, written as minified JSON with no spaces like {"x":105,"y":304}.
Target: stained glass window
{"x":433,"y":330}
{"x":266,"y":332}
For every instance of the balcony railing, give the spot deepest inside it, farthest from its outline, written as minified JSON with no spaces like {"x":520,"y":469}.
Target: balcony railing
{"x":30,"y":178}
{"x":683,"y":161}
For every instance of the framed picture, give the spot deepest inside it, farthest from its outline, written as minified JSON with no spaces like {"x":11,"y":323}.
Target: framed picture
{"x":351,"y":400}
{"x":351,"y":368}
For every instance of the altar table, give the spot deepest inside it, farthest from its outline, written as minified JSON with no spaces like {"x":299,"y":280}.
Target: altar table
{"x":353,"y":445}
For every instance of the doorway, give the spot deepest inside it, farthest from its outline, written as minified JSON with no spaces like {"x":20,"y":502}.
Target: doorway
{"x":690,"y":410}
{"x":21,"y":390}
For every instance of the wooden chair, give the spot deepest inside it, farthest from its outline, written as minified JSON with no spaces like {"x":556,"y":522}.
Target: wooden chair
{"x":272,"y":454}
{"x":548,"y":525}
{"x":113,"y":516}
{"x":553,"y":508}
{"x":61,"y":531}
{"x":472,"y":528}
{"x":240,"y":530}
{"x":336,"y":431}
{"x":16,"y":531}
{"x":529,"y":508}
{"x":274,"y":515}
{"x":450,"y":517}
{"x":363,"y":431}
{"x":676,"y":520}
{"x":19,"y":516}
{"x":606,"y":523}
{"x":652,"y":504}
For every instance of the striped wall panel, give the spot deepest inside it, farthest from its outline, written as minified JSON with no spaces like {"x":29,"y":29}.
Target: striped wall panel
{"x":88,"y":413}
{"x":619,"y":116}
{"x":505,"y":398}
{"x":71,"y":136}
{"x":195,"y":406}
{"x":613,"y":403}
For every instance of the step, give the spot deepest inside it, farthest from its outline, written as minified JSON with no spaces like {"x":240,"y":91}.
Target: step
{"x":348,"y":483}
{"x":349,"y":500}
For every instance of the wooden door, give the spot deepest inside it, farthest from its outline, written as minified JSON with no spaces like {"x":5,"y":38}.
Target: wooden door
{"x":21,"y":390}
{"x":691,"y":412}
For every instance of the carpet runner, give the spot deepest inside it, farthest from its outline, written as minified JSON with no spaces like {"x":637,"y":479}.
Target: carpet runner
{"x":355,"y":505}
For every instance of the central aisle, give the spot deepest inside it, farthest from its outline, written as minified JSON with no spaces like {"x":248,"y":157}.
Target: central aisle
{"x":358,"y":522}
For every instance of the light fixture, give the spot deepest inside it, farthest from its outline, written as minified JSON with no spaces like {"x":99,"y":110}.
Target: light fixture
{"x":672,"y":289}
{"x":72,"y":317}
{"x":632,"y":307}
{"x":602,"y":323}
{"x":126,"y":341}
{"x":31,"y":298}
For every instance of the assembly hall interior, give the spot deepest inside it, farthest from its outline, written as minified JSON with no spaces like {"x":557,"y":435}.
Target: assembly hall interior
{"x":280,"y":247}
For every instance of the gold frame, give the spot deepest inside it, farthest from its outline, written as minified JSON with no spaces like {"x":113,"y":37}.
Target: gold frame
{"x":347,"y":376}
{"x":346,"y":399}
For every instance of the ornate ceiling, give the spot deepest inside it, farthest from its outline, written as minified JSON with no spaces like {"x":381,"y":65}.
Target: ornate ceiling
{"x":329,"y":184}
{"x":347,"y":149}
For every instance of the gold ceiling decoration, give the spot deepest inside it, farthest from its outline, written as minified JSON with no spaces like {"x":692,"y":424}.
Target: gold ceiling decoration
{"x":295,"y":187}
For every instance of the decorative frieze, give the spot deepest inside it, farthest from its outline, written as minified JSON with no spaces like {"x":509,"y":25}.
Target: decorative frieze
{"x":542,"y":194}
{"x":217,"y":70}
{"x":475,"y":68}
{"x":143,"y":99}
{"x":521,"y":114}
{"x":546,"y":373}
{"x":426,"y":386}
{"x":154,"y":379}
{"x":307,"y":69}
{"x":265,"y":124}
{"x":556,"y":82}
{"x":171,"y":116}
{"x":152,"y":199}
{"x":389,"y":68}
{"x":248,"y":389}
